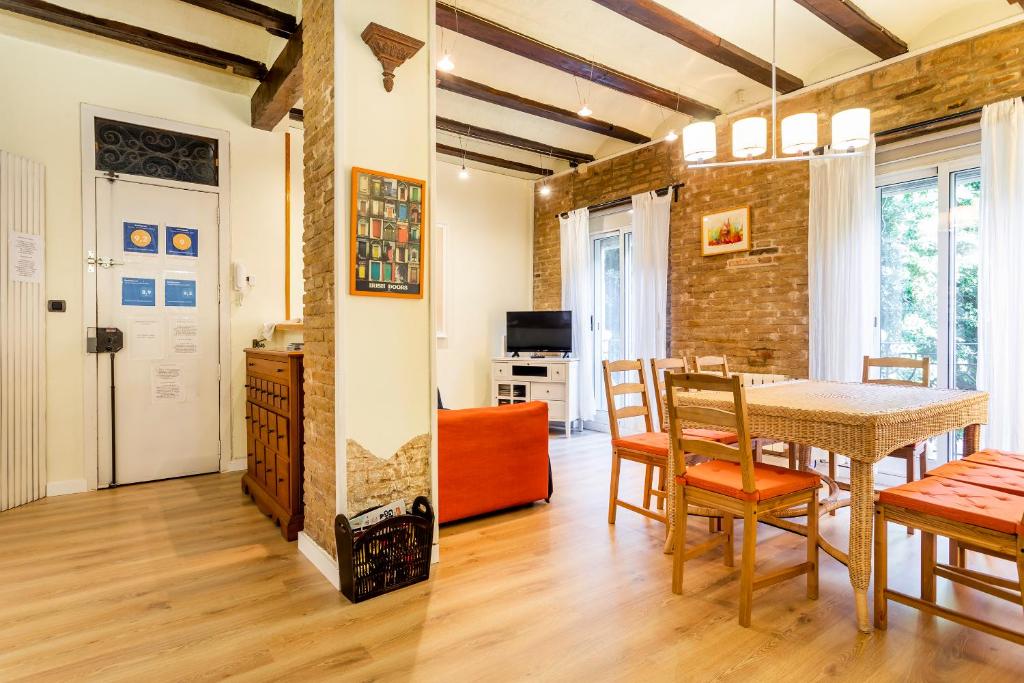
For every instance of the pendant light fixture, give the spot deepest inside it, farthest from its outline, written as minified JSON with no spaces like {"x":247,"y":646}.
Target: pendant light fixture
{"x":463,"y":172}
{"x":446,"y":63}
{"x":851,"y":130}
{"x":584,"y":109}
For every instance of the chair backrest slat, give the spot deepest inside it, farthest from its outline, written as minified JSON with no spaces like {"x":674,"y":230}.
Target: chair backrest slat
{"x":683,"y":416}
{"x":628,"y":388}
{"x":659,"y":368}
{"x":633,"y":387}
{"x":922,"y":364}
{"x":707,"y":416}
{"x":712,"y":364}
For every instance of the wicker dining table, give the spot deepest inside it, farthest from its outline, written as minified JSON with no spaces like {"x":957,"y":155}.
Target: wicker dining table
{"x":864,"y":422}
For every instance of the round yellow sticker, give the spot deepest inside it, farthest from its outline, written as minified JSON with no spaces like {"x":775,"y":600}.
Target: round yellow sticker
{"x":181,"y":241}
{"x":141,"y":238}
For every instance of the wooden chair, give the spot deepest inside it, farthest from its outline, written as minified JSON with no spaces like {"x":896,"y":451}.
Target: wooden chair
{"x":659,"y":367}
{"x":973,"y":516}
{"x":732,"y":482}
{"x":720,"y":365}
{"x":910,"y":452}
{"x":649,"y":448}
{"x":712,"y":364}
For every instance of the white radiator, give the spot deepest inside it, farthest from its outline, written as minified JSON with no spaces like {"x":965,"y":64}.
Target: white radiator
{"x":22,"y":332}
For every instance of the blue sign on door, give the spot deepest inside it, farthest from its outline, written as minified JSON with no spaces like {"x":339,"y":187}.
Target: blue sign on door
{"x":182,"y":242}
{"x":138,"y":291}
{"x":141,"y":238}
{"x":180,"y":293}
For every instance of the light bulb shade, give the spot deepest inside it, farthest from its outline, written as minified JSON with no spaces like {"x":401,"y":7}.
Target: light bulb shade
{"x":699,"y":141}
{"x":584,"y":111}
{"x":445,"y":63}
{"x":671,"y":136}
{"x":463,"y":173}
{"x":799,"y":133}
{"x":851,"y":129}
{"x":749,"y":137}
{"x":545,"y":190}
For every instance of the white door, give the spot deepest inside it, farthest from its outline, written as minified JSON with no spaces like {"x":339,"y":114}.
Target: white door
{"x":161,"y":292}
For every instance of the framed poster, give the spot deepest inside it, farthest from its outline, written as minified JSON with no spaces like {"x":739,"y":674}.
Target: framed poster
{"x":725,"y":232}
{"x":387,"y":234}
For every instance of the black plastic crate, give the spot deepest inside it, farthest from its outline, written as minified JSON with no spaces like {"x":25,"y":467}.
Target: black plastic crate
{"x":391,"y":554}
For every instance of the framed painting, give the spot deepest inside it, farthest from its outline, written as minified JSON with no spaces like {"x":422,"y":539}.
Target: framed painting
{"x":388,"y":235}
{"x":725,"y":232}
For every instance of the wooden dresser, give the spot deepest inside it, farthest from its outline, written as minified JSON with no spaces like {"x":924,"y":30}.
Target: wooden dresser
{"x":273,"y":427}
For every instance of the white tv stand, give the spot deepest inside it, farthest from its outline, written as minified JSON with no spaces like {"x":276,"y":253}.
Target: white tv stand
{"x":552,"y":380}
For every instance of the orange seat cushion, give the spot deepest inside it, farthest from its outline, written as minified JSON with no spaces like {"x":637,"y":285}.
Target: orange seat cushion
{"x":770,"y":481}
{"x":654,"y":443}
{"x":990,"y":456}
{"x":657,"y":443}
{"x":996,"y":478}
{"x":960,"y":502}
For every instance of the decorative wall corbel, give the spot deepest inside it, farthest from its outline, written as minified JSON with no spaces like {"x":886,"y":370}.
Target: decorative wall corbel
{"x":391,"y":48}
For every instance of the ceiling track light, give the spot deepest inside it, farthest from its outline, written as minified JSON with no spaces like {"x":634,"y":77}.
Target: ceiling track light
{"x":851,"y":130}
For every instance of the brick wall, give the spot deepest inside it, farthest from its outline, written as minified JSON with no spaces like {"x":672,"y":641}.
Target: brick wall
{"x":318,"y":270}
{"x":754,"y":306}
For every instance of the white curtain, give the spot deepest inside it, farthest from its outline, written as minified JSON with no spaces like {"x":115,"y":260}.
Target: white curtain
{"x":578,"y":297}
{"x":842,"y":265}
{"x":646,"y":329}
{"x":1001,"y":273}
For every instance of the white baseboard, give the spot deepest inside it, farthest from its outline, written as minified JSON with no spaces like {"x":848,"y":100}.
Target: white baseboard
{"x":234,"y":466}
{"x":435,"y":554}
{"x":320,"y":559}
{"x":63,"y":488}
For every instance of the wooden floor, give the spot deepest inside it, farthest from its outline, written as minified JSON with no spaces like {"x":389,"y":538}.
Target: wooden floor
{"x":186,"y":580}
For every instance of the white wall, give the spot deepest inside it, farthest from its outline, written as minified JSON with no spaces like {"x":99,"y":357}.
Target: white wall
{"x":488,"y":271}
{"x":39,"y":119}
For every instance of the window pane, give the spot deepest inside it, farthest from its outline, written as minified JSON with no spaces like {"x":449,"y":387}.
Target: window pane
{"x":966,"y":201}
{"x":910,"y":271}
{"x":611,"y":303}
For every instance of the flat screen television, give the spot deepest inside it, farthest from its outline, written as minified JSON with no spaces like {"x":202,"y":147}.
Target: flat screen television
{"x":536,"y":331}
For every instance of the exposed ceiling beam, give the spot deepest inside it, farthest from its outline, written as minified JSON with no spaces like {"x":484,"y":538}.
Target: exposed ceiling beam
{"x":1016,"y":2}
{"x":852,"y":22}
{"x":661,"y":19}
{"x":497,"y":137}
{"x":276,"y":22}
{"x":133,"y":35}
{"x":499,"y":36}
{"x":281,"y":88}
{"x":296,"y":115}
{"x":491,"y":161}
{"x":479,"y":91}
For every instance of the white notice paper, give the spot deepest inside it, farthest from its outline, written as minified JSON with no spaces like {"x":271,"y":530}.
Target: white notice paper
{"x":167,"y":384}
{"x":26,"y":257}
{"x":146,"y":339}
{"x":185,"y":336}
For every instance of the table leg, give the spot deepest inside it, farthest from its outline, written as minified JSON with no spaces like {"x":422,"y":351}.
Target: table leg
{"x":972,"y":438}
{"x":862,"y":507}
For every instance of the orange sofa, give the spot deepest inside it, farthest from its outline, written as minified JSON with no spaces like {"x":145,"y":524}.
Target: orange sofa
{"x":491,"y":459}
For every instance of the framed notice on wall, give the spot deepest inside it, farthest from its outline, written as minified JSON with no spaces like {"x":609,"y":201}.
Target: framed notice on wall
{"x":388,"y":235}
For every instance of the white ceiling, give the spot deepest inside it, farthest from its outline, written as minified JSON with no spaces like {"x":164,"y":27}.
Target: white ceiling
{"x":806,"y":47}
{"x":170,"y":17}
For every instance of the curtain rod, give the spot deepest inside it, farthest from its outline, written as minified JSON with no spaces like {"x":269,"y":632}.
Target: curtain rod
{"x":622,"y":201}
{"x":926,"y":126}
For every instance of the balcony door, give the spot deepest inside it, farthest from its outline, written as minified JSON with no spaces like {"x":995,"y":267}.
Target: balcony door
{"x":929,"y":274}
{"x":612,"y":254}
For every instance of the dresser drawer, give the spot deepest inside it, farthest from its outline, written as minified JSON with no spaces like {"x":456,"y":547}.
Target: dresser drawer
{"x":267,"y":367}
{"x":556,"y":410}
{"x":502,"y":370}
{"x":556,"y":372}
{"x":546,"y":391}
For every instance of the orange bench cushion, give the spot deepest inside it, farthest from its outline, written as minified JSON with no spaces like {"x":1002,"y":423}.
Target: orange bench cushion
{"x":657,"y":443}
{"x":770,"y":481}
{"x":960,"y":502}
{"x":997,"y":478}
{"x":990,"y":456}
